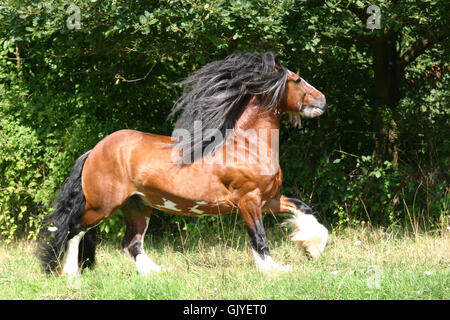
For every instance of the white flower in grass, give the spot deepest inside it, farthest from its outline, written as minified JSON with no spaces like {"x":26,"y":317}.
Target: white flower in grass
{"x":357,"y":243}
{"x":52,"y":229}
{"x":334,"y":272}
{"x":428,"y":273}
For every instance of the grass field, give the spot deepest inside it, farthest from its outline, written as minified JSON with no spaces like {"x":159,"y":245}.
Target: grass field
{"x":356,"y":264}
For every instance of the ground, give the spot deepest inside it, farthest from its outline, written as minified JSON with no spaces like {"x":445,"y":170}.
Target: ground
{"x":356,"y":264}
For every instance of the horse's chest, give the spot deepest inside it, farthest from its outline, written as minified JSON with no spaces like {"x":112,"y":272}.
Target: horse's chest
{"x":268,"y":185}
{"x":272,"y":187}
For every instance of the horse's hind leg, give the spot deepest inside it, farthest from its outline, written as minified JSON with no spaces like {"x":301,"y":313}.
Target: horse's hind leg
{"x":137,"y":215}
{"x":70,"y":260}
{"x":81,"y":243}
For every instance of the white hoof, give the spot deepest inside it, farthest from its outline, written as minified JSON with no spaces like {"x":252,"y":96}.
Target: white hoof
{"x":145,"y":265}
{"x":71,"y":270}
{"x":74,"y":282}
{"x":267,"y":264}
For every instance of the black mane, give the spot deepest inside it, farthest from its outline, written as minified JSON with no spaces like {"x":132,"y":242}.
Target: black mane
{"x":218,"y":93}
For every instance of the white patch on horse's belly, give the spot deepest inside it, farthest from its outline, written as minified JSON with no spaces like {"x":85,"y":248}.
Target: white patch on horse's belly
{"x":168,"y":205}
{"x":195,"y":210}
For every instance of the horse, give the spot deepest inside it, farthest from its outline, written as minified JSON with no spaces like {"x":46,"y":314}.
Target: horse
{"x":222,"y":157}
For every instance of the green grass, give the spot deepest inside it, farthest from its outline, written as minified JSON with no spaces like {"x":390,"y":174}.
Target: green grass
{"x":385,"y":265}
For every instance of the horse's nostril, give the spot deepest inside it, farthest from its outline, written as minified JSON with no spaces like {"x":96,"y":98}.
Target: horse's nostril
{"x":320,"y":102}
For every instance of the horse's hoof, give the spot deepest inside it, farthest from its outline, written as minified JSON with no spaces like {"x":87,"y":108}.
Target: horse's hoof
{"x":145,"y":265}
{"x":266,"y":264}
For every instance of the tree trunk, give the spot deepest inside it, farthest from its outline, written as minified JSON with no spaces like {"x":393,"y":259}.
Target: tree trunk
{"x":386,"y":95}
{"x":388,"y":72}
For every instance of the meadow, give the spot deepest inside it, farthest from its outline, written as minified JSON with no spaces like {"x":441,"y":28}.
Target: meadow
{"x":374,"y":166}
{"x":362,"y":263}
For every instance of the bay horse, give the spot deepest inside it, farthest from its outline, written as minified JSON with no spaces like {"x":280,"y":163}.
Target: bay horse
{"x":222,"y":156}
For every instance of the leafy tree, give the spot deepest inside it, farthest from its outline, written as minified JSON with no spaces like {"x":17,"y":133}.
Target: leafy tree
{"x":385,"y":136}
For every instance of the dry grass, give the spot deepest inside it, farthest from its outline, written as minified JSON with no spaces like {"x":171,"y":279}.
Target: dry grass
{"x":198,"y":267}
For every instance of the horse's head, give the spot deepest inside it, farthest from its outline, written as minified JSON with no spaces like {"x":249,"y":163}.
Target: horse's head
{"x":301,"y":99}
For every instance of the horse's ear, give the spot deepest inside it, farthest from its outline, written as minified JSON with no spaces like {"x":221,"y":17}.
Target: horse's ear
{"x":278,"y":62}
{"x":292,"y":76}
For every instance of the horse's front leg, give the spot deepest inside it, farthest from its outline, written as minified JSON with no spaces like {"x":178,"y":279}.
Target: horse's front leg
{"x":250,"y":208}
{"x":308,"y":232}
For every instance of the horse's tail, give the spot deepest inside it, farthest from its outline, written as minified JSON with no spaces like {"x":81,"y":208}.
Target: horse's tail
{"x":64,"y":223}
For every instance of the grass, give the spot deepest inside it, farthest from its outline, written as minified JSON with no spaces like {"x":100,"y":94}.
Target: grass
{"x":356,"y":264}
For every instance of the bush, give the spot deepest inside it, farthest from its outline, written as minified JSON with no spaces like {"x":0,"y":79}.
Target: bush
{"x":62,"y":90}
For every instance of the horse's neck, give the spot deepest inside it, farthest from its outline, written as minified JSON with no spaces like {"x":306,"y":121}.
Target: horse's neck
{"x":255,"y":117}
{"x":256,"y":134}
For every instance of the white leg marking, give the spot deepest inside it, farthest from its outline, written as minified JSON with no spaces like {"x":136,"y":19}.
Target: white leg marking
{"x":144,"y":264}
{"x":309,"y":233}
{"x":70,"y":261}
{"x":267,"y":264}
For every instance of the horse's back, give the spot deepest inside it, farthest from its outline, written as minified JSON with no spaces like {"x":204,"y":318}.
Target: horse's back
{"x":112,"y":168}
{"x":127,"y":136}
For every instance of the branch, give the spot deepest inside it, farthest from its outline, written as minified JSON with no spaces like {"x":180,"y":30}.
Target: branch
{"x":418,"y":47}
{"x":18,"y":61}
{"x":119,"y":78}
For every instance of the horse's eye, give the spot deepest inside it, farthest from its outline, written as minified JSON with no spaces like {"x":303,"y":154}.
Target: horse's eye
{"x":298,"y":80}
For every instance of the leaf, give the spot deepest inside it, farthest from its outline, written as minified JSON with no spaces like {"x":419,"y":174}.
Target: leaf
{"x":143,"y":19}
{"x":152,"y":21}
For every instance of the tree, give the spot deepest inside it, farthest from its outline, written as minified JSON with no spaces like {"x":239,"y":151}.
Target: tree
{"x":62,"y":89}
{"x":408,"y":29}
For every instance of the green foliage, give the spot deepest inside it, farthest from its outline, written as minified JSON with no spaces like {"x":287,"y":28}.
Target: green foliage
{"x":62,"y":90}
{"x":20,"y":161}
